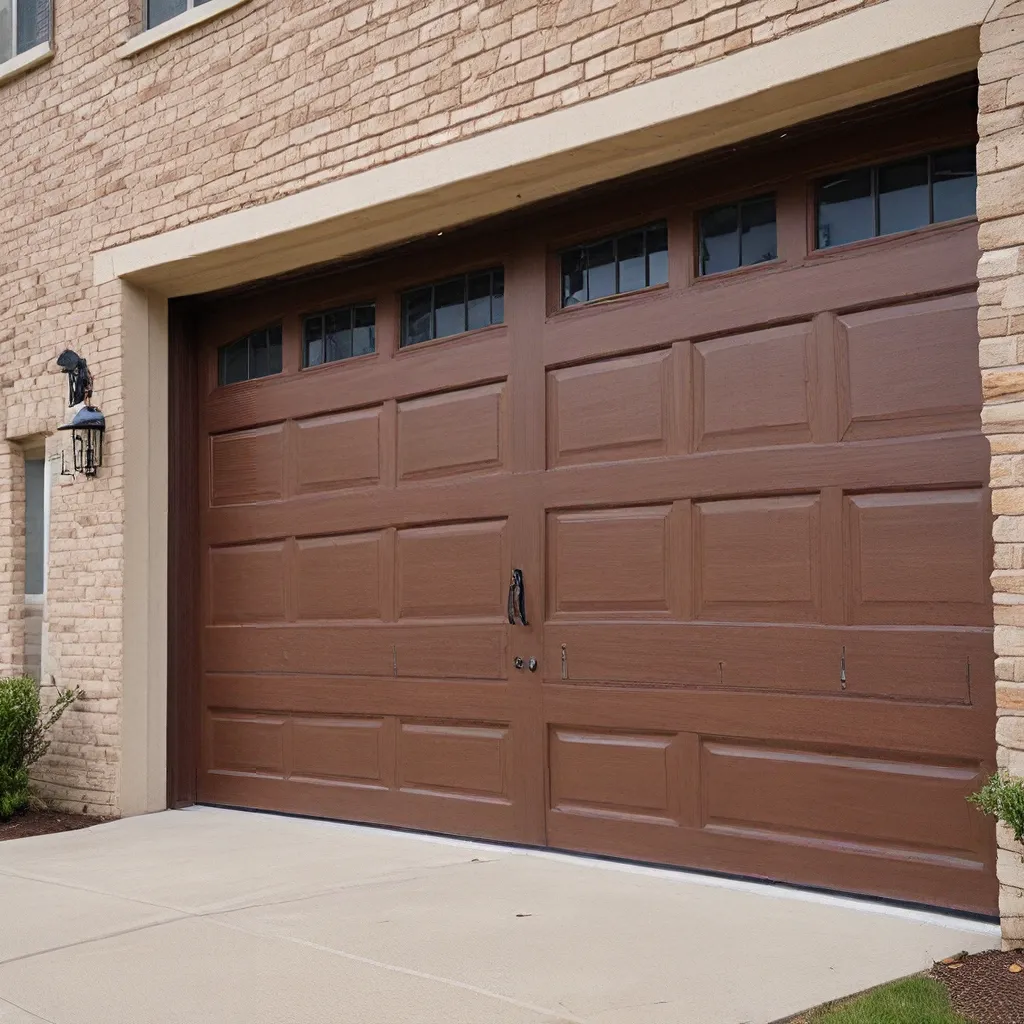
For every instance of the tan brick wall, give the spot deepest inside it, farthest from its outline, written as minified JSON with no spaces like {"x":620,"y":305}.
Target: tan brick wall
{"x":1001,"y":322}
{"x":271,"y":98}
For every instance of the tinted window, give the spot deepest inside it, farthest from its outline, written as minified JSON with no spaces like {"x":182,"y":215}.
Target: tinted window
{"x":738,"y":235}
{"x":338,"y":334}
{"x":464,"y":303}
{"x":626,"y":263}
{"x":900,"y":196}
{"x":256,"y":355}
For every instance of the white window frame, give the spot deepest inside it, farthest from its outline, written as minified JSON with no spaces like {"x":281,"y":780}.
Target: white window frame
{"x":192,"y":16}
{"x":18,"y":63}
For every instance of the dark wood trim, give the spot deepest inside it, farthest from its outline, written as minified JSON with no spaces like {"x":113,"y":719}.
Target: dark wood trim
{"x":183,"y":669}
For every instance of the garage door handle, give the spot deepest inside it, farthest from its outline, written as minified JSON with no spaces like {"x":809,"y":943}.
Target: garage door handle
{"x":517,"y":598}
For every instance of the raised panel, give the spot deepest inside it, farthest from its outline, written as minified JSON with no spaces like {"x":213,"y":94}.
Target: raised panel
{"x":839,"y":800}
{"x":758,"y":559}
{"x":614,"y":775}
{"x":247,"y":583}
{"x":919,"y":558}
{"x":333,"y":452}
{"x":613,"y":560}
{"x":247,"y":466}
{"x":253,"y":744}
{"x":457,"y":432}
{"x":339,"y":577}
{"x":458,"y":760}
{"x":615,"y":409}
{"x":910,"y":369}
{"x":755,"y":389}
{"x":458,"y":570}
{"x":340,"y":750}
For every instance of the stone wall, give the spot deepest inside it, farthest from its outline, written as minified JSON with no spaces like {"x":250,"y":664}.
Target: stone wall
{"x":1001,"y":322}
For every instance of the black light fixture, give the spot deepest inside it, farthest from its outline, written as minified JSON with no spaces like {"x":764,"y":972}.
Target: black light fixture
{"x":89,"y":424}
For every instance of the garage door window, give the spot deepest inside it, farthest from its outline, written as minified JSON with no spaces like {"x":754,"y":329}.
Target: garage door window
{"x":256,"y":355}
{"x":338,"y":334}
{"x":464,"y":303}
{"x":738,"y":235}
{"x":894,"y":197}
{"x":626,"y":263}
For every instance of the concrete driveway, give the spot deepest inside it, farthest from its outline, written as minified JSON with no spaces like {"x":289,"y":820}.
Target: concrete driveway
{"x":224,"y":916}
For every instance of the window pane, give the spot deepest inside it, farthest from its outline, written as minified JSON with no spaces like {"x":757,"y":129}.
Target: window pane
{"x":574,"y":278}
{"x":234,"y":362}
{"x":275,"y":349}
{"x":657,"y":255}
{"x":161,"y":10}
{"x":450,"y":308}
{"x":337,"y":335}
{"x":416,"y":318}
{"x":364,"y":331}
{"x":954,"y":184}
{"x":33,"y":23}
{"x":259,"y":355}
{"x":601,"y":270}
{"x":846,"y":210}
{"x":758,"y":240}
{"x":314,"y":340}
{"x":6,"y":29}
{"x":719,"y":240}
{"x":498,"y":296}
{"x":903,"y":196}
{"x":479,"y":301}
{"x":632,"y":266}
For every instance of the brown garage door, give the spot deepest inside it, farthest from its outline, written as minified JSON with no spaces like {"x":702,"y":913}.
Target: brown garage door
{"x":749,"y":509}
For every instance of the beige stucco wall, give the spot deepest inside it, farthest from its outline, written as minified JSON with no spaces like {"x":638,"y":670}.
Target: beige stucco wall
{"x":1001,"y":322}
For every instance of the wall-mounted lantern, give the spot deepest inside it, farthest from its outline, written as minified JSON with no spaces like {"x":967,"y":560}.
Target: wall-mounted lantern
{"x":89,"y":424}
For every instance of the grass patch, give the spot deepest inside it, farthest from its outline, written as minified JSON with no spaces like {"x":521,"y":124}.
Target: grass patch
{"x":912,"y":1001}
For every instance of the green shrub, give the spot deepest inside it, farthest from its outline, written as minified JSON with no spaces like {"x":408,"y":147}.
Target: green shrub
{"x":1003,"y":797}
{"x":24,"y":726}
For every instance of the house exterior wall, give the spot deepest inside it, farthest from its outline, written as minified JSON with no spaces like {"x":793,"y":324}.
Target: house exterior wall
{"x":1001,"y":326}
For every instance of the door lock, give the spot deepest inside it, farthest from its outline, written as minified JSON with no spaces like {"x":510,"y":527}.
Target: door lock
{"x":532,"y":664}
{"x":520,"y":664}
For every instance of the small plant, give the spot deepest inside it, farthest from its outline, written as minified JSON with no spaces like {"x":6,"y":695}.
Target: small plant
{"x":1003,"y":798}
{"x":24,"y":729}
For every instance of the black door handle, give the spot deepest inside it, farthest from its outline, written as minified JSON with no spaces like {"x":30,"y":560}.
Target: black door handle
{"x":517,"y":598}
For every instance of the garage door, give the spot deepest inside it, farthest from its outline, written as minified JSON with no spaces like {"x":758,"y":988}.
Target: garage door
{"x":655,"y":525}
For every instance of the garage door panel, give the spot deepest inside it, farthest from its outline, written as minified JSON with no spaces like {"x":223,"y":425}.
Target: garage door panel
{"x":615,"y":561}
{"x":919,"y":557}
{"x":340,"y":577}
{"x":459,"y":760}
{"x":614,"y":409}
{"x":247,"y":583}
{"x":338,"y":451}
{"x":458,"y":570}
{"x":758,"y":559}
{"x":247,"y":466}
{"x":907,"y":665}
{"x":899,"y":807}
{"x":910,"y":369}
{"x":634,"y":777}
{"x":459,"y":651}
{"x":456,"y":432}
{"x":343,"y":750}
{"x":244,"y":742}
{"x":755,"y":389}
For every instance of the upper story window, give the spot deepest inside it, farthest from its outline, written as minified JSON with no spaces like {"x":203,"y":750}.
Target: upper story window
{"x":24,"y":24}
{"x":738,"y":235}
{"x":159,"y":11}
{"x":626,"y":263}
{"x":872,"y":201}
{"x":463,"y":303}
{"x":256,"y":355}
{"x":338,"y":334}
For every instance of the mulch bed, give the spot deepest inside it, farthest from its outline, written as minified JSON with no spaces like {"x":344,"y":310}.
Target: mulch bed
{"x":983,"y":988}
{"x":42,"y":823}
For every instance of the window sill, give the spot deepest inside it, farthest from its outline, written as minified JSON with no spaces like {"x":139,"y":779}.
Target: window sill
{"x":175,"y":26}
{"x":25,"y":61}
